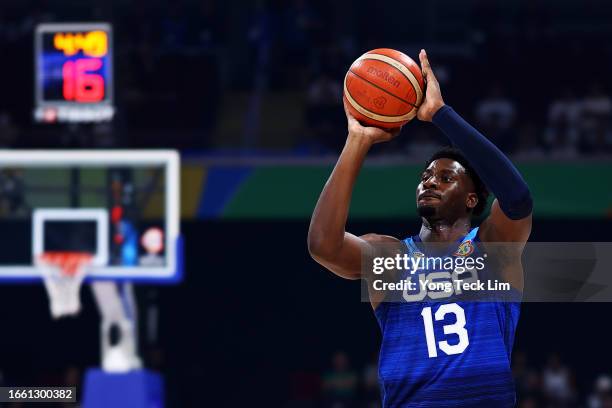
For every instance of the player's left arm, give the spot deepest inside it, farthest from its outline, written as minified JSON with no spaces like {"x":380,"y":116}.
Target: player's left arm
{"x":510,"y":217}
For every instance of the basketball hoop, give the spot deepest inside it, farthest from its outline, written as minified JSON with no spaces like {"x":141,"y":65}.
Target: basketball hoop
{"x":63,"y":274}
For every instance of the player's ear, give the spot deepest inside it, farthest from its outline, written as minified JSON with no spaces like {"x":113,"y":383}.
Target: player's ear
{"x":471,"y":200}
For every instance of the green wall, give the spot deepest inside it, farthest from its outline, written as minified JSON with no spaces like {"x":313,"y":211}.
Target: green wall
{"x":290,"y":191}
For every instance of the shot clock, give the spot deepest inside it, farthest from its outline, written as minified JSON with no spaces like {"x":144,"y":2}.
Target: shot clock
{"x":74,"y":73}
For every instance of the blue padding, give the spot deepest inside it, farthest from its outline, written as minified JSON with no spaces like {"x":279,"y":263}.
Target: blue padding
{"x":135,"y":389}
{"x":221,"y":185}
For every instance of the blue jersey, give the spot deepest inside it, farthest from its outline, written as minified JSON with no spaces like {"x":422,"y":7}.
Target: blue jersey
{"x":446,"y":352}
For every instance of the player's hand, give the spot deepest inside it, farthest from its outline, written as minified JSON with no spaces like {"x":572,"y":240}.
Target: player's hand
{"x":371,"y":134}
{"x":433,"y":96}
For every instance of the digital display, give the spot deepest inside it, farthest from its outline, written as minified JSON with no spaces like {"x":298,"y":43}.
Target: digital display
{"x":74,"y":73}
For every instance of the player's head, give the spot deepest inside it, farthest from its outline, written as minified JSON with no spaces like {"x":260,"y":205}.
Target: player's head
{"x":449,"y":187}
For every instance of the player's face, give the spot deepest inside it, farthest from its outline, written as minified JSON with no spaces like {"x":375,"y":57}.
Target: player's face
{"x":445,"y":190}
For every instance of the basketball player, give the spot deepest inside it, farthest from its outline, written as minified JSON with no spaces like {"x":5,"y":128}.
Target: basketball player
{"x":437,"y":353}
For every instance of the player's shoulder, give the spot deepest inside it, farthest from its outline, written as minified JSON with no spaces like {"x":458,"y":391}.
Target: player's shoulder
{"x":384,"y":245}
{"x":379,"y":238}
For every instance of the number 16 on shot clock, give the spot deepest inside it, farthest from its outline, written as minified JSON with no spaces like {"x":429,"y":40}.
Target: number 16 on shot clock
{"x":74,"y":81}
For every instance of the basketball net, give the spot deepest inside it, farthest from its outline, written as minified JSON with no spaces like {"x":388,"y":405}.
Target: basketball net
{"x":63,"y":274}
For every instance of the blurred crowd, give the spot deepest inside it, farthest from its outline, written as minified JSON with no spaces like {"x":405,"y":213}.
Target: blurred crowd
{"x":572,"y":127}
{"x":343,"y":385}
{"x":553,"y":385}
{"x":202,"y":75}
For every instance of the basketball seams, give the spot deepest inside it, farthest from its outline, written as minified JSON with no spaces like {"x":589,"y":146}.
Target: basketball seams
{"x":373,"y":115}
{"x":403,"y":69}
{"x":377,"y":117}
{"x":382,"y":89}
{"x":387,"y":81}
{"x":397,"y":69}
{"x":395,"y":61}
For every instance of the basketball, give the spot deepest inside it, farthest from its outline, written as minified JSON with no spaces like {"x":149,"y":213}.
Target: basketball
{"x":383,"y":88}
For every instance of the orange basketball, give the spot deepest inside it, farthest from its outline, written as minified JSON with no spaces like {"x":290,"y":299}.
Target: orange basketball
{"x":384,"y":88}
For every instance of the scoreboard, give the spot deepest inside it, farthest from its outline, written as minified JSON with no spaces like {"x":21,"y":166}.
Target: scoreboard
{"x":73,"y":73}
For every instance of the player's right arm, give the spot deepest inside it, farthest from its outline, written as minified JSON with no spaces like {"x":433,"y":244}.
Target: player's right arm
{"x":328,"y":242}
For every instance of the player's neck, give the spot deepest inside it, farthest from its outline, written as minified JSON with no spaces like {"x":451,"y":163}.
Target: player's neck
{"x":443,"y":231}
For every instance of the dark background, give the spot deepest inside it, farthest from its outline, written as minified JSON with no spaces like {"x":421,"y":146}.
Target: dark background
{"x":266,"y":75}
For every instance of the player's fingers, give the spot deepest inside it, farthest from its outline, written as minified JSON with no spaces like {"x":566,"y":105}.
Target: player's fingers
{"x":388,"y":134}
{"x":426,"y":67}
{"x":349,"y":117}
{"x":424,"y":61}
{"x":394,"y":132}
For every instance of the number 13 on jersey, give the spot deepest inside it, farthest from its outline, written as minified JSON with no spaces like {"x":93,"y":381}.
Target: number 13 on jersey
{"x":457,"y":328}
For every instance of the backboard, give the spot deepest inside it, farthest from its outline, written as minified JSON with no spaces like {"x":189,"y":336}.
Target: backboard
{"x":122,"y":206}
